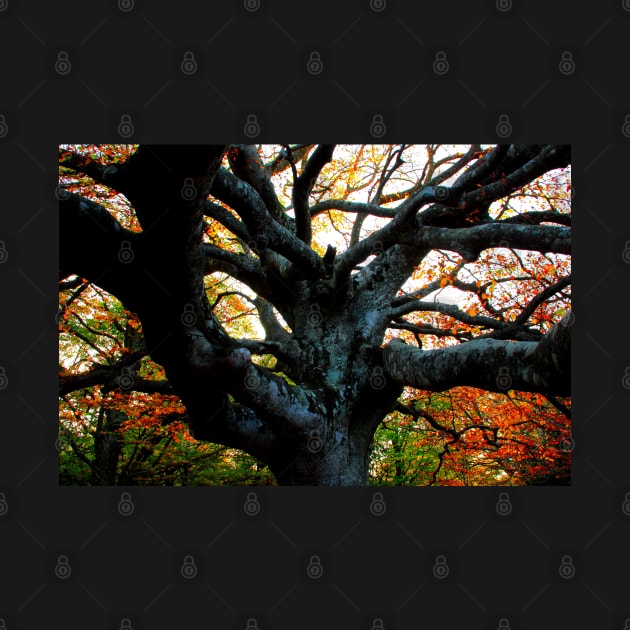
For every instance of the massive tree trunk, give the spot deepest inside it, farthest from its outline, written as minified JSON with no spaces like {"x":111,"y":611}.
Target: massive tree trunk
{"x":313,"y":419}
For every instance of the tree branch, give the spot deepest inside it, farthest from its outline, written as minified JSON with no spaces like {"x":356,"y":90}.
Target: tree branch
{"x":247,"y":165}
{"x":471,"y":241}
{"x":302,"y":187}
{"x":265,"y":232}
{"x":284,"y":407}
{"x":92,"y":244}
{"x":489,"y":364}
{"x":228,"y":220}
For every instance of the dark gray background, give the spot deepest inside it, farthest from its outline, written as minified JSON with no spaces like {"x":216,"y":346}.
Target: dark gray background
{"x":377,"y":571}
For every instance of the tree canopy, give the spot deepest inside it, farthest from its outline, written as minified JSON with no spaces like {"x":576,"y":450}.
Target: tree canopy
{"x":315,"y":314}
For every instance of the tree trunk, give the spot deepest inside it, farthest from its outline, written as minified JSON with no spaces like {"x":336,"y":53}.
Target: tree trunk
{"x":338,"y":462}
{"x":107,"y":448}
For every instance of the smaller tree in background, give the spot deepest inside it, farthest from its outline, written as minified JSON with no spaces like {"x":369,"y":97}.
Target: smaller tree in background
{"x":133,"y":431}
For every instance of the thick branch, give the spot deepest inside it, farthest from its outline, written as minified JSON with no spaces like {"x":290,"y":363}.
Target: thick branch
{"x":93,"y":245}
{"x":112,"y":175}
{"x":538,"y":217}
{"x":281,"y":163}
{"x":551,"y":156}
{"x":286,"y":408}
{"x":273,"y":329}
{"x":248,"y":268}
{"x":448,"y":309}
{"x":265,"y":232}
{"x":228,"y":220}
{"x":488,"y":364}
{"x":352,"y":206}
{"x":481,"y":169}
{"x":302,"y":188}
{"x":109,"y":376}
{"x":383,"y":239}
{"x":247,"y":165}
{"x":470,"y":242}
{"x":482,"y":185}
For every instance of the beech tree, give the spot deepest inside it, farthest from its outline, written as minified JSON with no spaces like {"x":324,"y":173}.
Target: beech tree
{"x":346,"y":259}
